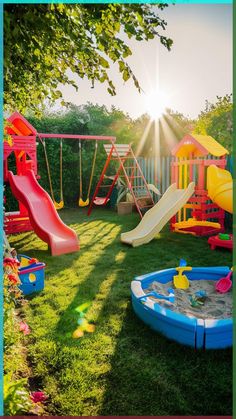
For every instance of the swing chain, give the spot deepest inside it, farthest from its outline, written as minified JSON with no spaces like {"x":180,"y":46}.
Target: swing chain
{"x":48,"y":169}
{"x":61,"y":203}
{"x":86,"y":202}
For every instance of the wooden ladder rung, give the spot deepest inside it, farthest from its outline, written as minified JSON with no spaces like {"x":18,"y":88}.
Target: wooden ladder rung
{"x":135,"y":177}
{"x":145,"y":206}
{"x":131,"y":167}
{"x":121,"y":158}
{"x":139,"y":187}
{"x":130,"y":177}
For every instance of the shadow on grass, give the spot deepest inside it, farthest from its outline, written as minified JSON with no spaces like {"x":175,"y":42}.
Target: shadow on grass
{"x":150,"y":375}
{"x":123,"y":368}
{"x":89,"y":287}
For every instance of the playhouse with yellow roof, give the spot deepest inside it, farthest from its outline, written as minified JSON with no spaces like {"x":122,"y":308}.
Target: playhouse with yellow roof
{"x":202,"y":160}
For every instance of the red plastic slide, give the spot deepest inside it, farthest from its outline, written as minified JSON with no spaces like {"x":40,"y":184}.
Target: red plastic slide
{"x":43,"y":215}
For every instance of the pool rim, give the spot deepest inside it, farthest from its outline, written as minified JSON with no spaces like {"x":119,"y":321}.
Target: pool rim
{"x":210,"y":333}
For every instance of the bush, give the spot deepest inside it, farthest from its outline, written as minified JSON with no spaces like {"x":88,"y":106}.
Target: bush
{"x":17,"y":398}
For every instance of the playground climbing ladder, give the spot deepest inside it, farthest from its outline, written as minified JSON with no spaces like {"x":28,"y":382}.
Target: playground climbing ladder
{"x":127,"y":168}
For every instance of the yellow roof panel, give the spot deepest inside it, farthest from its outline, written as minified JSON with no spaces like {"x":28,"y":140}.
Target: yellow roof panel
{"x":211,"y":145}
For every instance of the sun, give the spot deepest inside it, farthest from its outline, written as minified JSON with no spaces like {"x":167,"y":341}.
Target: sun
{"x":156,"y":104}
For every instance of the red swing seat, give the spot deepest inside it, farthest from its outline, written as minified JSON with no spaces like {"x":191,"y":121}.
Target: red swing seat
{"x":99,"y":200}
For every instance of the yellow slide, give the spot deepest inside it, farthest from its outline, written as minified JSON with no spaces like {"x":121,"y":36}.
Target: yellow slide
{"x":155,"y":219}
{"x":220,"y":187}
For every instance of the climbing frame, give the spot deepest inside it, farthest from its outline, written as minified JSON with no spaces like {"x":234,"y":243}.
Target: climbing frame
{"x":127,"y":168}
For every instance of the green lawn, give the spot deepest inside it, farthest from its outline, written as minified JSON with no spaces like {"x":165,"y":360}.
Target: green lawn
{"x":123,"y":368}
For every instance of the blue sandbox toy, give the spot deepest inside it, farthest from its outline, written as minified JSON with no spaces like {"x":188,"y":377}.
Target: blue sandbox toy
{"x":191,"y":331}
{"x":31,"y":275}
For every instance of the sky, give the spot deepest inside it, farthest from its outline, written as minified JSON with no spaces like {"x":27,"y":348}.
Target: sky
{"x":198,"y":67}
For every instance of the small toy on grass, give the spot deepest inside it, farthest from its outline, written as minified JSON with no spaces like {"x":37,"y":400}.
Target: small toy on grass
{"x":224,"y":284}
{"x":32,"y":274}
{"x":83,"y":324}
{"x":221,"y":240}
{"x":181,"y":281}
{"x":224,"y":236}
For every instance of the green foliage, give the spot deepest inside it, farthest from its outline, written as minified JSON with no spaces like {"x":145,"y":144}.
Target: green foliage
{"x":45,"y":44}
{"x":217,"y":120}
{"x":179,"y":123}
{"x":16,"y":397}
{"x":12,"y":296}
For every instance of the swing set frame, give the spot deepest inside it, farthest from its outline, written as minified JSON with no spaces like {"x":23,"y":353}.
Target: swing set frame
{"x":24,"y":146}
{"x":97,"y":138}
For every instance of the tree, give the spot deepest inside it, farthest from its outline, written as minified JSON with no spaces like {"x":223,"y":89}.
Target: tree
{"x":45,"y":44}
{"x":217,"y":120}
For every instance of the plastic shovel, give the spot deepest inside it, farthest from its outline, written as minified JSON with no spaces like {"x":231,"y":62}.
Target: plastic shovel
{"x":170,"y":297}
{"x":181,"y":281}
{"x":224,"y":284}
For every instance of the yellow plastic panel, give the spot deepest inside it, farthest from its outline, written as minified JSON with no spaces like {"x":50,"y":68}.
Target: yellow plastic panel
{"x":220,"y":187}
{"x":212,"y":146}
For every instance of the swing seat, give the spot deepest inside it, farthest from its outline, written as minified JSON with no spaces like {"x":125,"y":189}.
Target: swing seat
{"x":83,"y":203}
{"x":100,"y":200}
{"x":58,"y":205}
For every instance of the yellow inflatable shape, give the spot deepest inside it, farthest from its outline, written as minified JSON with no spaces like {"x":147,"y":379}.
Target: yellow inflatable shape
{"x":220,"y":187}
{"x":58,"y":205}
{"x":181,"y":281}
{"x":83,"y":203}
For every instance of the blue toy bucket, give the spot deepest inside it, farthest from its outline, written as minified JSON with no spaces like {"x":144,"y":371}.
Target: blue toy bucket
{"x":31,"y":275}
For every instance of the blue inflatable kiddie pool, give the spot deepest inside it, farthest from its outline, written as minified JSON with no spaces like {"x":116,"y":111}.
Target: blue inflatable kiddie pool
{"x":187,"y":330}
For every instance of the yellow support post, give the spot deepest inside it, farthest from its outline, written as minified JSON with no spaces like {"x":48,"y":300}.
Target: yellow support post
{"x":185,"y":186}
{"x":180,"y":186}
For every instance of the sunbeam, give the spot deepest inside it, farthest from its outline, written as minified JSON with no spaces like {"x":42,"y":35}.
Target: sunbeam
{"x":143,"y":138}
{"x":157,"y":146}
{"x":175,"y":126}
{"x":170,"y":136}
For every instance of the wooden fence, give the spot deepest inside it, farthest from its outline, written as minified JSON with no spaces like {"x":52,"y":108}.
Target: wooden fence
{"x":161,"y":169}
